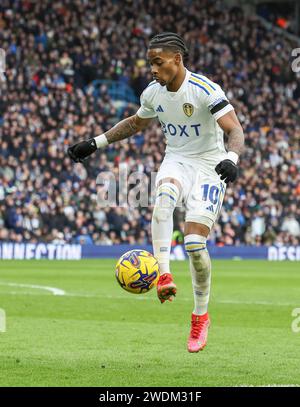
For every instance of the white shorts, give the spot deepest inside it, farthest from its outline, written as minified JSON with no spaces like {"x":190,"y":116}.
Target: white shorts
{"x":202,"y":191}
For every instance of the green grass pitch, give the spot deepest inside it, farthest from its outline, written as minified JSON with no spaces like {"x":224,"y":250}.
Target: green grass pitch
{"x":99,"y":335}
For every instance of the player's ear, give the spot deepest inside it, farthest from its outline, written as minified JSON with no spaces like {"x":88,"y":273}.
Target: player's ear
{"x":178,"y":58}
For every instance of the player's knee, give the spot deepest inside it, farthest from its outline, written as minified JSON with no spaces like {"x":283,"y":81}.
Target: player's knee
{"x":162,"y":214}
{"x":195,"y":250}
{"x":195,"y":246}
{"x":166,"y":198}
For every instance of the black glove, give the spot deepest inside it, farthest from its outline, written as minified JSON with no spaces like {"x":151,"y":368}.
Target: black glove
{"x":228,"y":170}
{"x":79,"y":151}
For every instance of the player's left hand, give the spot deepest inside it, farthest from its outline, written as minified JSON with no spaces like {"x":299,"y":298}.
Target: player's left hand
{"x":228,"y":170}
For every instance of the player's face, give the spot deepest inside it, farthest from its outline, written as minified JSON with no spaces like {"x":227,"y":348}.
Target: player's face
{"x":164,"y":65}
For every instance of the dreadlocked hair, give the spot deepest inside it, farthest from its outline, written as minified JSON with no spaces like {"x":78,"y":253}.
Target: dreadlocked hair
{"x":170,"y":41}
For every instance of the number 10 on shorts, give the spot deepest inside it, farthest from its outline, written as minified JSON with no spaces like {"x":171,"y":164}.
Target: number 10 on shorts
{"x":213,"y":195}
{"x":210,"y":192}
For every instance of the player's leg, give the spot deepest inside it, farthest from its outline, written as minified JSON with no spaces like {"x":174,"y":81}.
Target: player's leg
{"x":195,"y":236}
{"x":167,"y":195}
{"x":203,"y":209}
{"x":200,"y":268}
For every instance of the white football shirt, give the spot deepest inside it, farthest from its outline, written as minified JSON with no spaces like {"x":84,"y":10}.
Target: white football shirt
{"x":189,"y":116}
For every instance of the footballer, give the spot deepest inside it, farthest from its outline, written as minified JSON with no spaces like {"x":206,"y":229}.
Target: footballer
{"x":194,"y":114}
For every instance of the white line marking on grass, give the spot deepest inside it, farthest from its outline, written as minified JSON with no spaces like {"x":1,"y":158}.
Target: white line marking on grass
{"x":138,"y":297}
{"x":280,"y":304}
{"x":144,"y":298}
{"x":53,"y":290}
{"x":57,"y":291}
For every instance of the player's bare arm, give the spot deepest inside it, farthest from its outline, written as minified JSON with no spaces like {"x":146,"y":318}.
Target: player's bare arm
{"x":126,"y":128}
{"x":122,"y":130}
{"x":230,"y":124}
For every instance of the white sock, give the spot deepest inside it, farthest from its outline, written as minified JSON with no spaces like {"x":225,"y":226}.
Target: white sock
{"x":162,"y":224}
{"x":200,"y":267}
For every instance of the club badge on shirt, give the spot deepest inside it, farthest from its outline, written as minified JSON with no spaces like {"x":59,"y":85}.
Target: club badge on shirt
{"x":188,"y":109}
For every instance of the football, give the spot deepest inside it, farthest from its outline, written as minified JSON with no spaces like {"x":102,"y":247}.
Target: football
{"x":137,"y":271}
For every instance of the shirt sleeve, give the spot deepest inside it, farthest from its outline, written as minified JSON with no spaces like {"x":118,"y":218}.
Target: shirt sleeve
{"x":217,"y":103}
{"x":145,"y":111}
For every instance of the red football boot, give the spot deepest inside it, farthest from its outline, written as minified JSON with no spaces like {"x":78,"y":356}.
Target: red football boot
{"x":166,"y":288}
{"x":199,"y":330}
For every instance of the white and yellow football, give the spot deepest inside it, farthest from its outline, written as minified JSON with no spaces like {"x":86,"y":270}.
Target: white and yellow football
{"x":137,"y":271}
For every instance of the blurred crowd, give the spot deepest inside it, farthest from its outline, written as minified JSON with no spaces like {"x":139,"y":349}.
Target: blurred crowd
{"x":281,"y":13}
{"x":55,"y":49}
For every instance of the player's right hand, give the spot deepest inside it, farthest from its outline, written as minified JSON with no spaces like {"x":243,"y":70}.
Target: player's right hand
{"x":80,"y":151}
